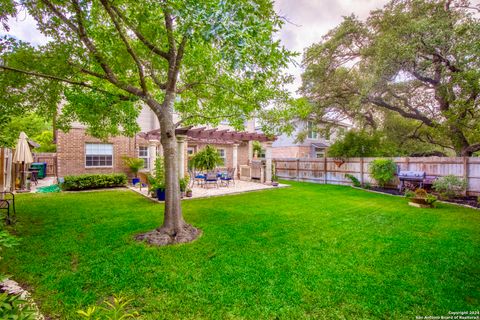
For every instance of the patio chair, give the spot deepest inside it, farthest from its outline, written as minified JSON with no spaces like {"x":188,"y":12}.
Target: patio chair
{"x":199,"y":178}
{"x":7,"y":203}
{"x":225,"y":179}
{"x":211,"y":178}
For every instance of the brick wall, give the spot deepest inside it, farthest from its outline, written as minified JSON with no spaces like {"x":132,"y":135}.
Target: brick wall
{"x":71,"y":152}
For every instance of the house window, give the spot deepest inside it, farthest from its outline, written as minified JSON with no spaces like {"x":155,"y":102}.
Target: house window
{"x":190,"y":151}
{"x":320,"y":153}
{"x":98,"y":155}
{"x":312,"y":130}
{"x":143,"y":154}
{"x":222,"y":154}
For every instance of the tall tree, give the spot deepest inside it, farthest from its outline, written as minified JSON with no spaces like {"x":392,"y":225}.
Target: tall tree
{"x":205,"y":59}
{"x":419,"y":59}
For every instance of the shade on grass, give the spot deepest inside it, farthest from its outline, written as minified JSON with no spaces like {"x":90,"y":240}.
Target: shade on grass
{"x":308,"y":251}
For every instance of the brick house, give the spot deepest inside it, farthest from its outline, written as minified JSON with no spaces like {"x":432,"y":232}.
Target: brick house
{"x":314,"y":145}
{"x":79,"y":153}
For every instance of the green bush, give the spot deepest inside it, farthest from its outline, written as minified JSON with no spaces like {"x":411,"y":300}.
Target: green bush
{"x":383,"y":171}
{"x":450,"y":186}
{"x":355,"y":181}
{"x":94,"y":181}
{"x":116,"y":308}
{"x":206,"y":159}
{"x":13,"y":307}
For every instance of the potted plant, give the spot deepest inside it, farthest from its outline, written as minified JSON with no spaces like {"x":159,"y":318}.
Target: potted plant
{"x":134,"y":164}
{"x":207,"y":159}
{"x":183,"y":182}
{"x":420,"y":198}
{"x":157,"y":181}
{"x":189,"y":193}
{"x":274,"y":176}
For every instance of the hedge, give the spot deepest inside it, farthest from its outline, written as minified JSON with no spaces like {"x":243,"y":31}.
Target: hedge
{"x":94,"y":181}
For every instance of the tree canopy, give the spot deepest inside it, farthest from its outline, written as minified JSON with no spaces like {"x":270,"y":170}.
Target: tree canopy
{"x":206,"y":60}
{"x":416,"y":59}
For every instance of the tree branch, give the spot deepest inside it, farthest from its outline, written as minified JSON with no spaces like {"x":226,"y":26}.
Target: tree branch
{"x":140,"y":36}
{"x":141,"y":73}
{"x":382,"y":103}
{"x":72,"y":82}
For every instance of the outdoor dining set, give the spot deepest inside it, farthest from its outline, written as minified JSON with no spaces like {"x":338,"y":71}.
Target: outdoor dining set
{"x":217,"y":178}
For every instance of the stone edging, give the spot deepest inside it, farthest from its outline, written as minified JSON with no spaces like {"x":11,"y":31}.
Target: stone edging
{"x":13,"y":288}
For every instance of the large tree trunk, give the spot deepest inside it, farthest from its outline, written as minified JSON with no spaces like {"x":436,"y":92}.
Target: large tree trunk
{"x":174,"y":228}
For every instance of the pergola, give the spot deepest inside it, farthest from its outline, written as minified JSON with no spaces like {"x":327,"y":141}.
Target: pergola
{"x":210,"y":136}
{"x":213,"y":136}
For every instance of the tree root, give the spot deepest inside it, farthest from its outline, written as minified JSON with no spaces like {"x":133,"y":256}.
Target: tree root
{"x":164,"y":236}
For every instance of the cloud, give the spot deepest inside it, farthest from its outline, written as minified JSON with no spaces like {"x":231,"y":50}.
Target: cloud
{"x":24,"y":27}
{"x":307,"y":21}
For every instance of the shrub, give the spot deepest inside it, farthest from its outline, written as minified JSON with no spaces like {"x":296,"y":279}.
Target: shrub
{"x":94,"y":181}
{"x":183,"y":182}
{"x":450,"y":186}
{"x":13,"y":307}
{"x":206,"y":159}
{"x":355,"y":181}
{"x":383,"y":171}
{"x":134,"y":164}
{"x":157,"y":181}
{"x":118,"y":308}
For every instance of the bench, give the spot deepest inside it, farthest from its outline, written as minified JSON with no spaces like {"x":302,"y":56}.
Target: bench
{"x":7,"y":203}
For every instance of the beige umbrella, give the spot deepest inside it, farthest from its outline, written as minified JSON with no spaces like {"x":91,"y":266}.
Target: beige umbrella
{"x":23,"y":155}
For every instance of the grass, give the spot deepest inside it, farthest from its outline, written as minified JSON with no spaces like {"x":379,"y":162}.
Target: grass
{"x":309,"y":251}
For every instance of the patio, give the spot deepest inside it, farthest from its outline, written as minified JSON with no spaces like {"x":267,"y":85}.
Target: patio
{"x":212,"y":191}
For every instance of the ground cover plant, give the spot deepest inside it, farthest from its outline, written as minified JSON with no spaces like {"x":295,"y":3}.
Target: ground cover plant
{"x":305,"y":252}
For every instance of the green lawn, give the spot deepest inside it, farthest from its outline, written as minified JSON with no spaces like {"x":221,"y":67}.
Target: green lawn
{"x":308,"y":251}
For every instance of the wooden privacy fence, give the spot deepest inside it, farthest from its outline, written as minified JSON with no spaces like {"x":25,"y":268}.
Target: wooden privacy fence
{"x":50,"y":159}
{"x":326,"y":170}
{"x":6,"y":169}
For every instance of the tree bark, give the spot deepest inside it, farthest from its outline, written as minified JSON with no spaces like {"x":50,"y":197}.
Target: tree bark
{"x":174,"y":229}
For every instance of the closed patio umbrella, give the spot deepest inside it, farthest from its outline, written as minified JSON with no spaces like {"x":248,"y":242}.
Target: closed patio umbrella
{"x":23,"y":155}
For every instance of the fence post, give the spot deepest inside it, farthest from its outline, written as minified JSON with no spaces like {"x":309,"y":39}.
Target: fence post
{"x":361,"y":171}
{"x":325,"y":170}
{"x":465,"y":173}
{"x":2,"y":169}
{"x":298,"y":169}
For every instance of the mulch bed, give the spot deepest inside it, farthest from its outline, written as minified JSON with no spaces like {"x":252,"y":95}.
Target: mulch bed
{"x":468,"y":201}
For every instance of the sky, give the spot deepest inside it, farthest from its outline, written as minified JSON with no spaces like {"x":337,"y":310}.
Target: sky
{"x":308,"y":21}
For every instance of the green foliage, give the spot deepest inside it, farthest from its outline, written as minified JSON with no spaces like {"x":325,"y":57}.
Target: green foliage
{"x":32,"y":124}
{"x":183,"y":182}
{"x":450,"y":186}
{"x":257,"y":148}
{"x":206,"y":159}
{"x":45,"y":140}
{"x":134,"y":164}
{"x":409,"y":193}
{"x":116,"y":309}
{"x":357,"y":144}
{"x":157,"y":180}
{"x":94,"y":181}
{"x":13,"y":307}
{"x":355,"y":181}
{"x":230,"y":65}
{"x":383,"y":171}
{"x":401,"y":59}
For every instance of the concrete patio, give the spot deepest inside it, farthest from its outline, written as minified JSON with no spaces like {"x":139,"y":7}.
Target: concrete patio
{"x":213,"y":191}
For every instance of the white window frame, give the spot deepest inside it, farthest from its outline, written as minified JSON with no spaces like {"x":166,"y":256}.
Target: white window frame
{"x":100,"y":152}
{"x":144,"y":156}
{"x":312,"y":134}
{"x":223,"y":154}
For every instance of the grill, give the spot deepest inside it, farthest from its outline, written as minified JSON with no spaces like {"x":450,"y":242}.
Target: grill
{"x":411,"y":176}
